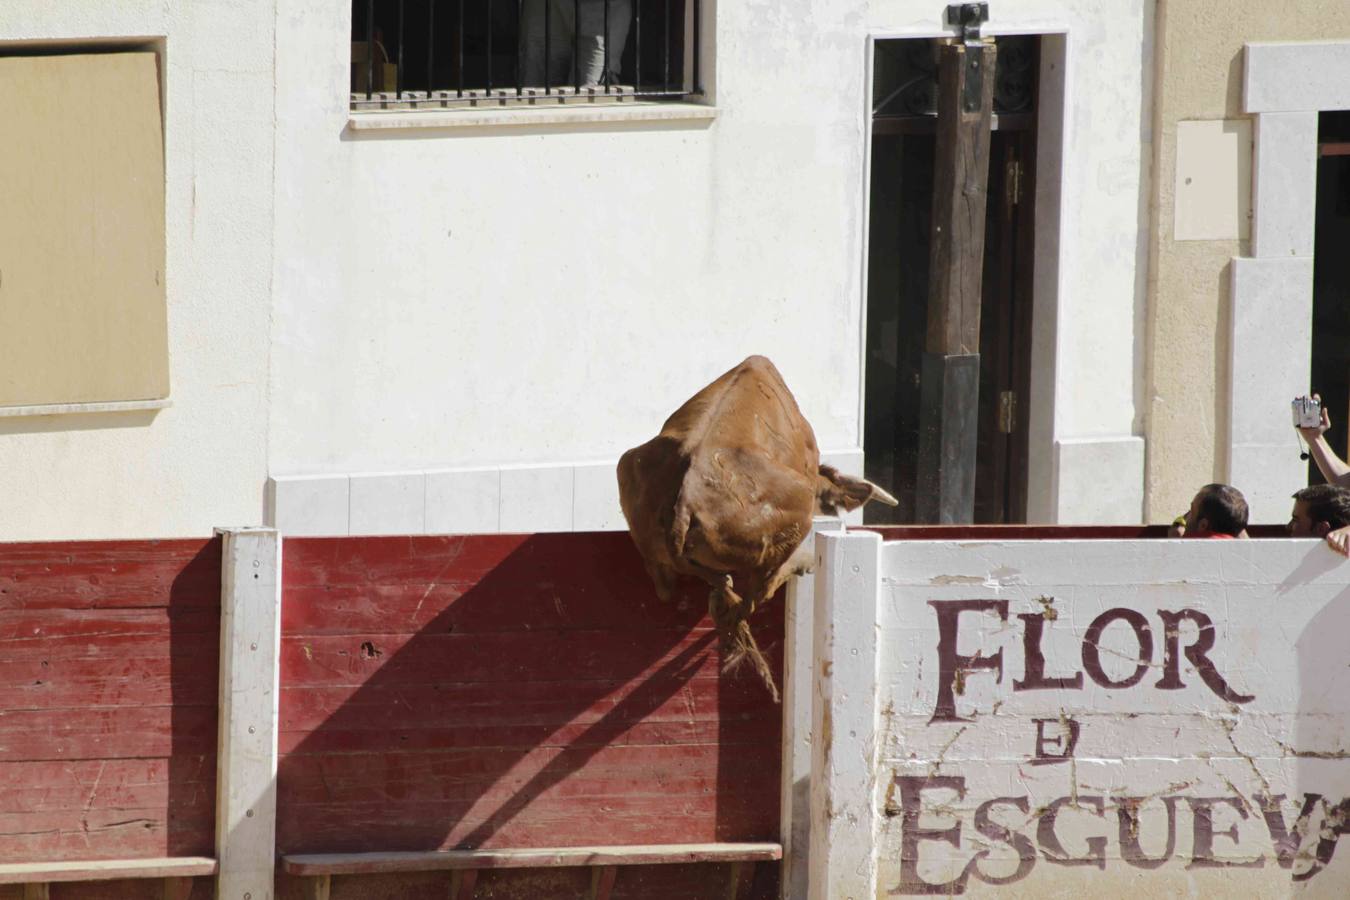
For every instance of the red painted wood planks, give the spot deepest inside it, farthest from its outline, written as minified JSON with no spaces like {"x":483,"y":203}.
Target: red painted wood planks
{"x":512,"y":691}
{"x":108,"y":705}
{"x":110,"y":574}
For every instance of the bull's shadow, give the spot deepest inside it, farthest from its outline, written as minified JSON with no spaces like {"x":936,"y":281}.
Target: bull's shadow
{"x":507,"y":691}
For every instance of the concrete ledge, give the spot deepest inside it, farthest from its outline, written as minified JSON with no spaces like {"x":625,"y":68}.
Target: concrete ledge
{"x":576,"y":496}
{"x":384,"y":120}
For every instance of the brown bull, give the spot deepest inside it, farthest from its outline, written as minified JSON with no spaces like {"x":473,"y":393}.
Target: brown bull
{"x":726,"y":493}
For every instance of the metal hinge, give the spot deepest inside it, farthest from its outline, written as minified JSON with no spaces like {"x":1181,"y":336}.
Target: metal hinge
{"x":1013,"y":181}
{"x":1007,"y":412}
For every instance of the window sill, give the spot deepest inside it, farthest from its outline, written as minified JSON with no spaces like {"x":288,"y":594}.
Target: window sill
{"x":63,"y":409}
{"x":380,"y":120}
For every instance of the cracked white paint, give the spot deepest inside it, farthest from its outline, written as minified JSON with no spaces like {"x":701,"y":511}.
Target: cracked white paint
{"x":1222,"y":773}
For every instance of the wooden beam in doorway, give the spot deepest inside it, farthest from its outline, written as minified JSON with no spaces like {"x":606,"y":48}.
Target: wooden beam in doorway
{"x":949,"y":392}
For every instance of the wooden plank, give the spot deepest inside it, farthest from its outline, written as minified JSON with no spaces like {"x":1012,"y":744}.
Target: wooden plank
{"x":247,"y":764}
{"x":37,"y":891}
{"x":844,"y":788}
{"x":107,"y":733}
{"x":742,"y":877}
{"x":949,"y":389}
{"x":47,"y":788}
{"x":107,"y":869}
{"x":317,"y":887}
{"x":129,"y":832}
{"x":109,"y":574}
{"x":462,"y":882}
{"x":478,"y":583}
{"x":602,"y":882}
{"x":418,"y":827}
{"x":794,"y":795}
{"x":603,"y":855}
{"x":177,"y":888}
{"x":961,"y":176}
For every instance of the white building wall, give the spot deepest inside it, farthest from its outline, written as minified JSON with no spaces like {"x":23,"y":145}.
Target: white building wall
{"x":538,"y":295}
{"x":202,"y":461}
{"x":512,"y":297}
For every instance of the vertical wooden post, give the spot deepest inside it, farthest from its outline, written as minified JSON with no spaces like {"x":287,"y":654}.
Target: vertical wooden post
{"x":37,"y":890}
{"x":798,"y":668}
{"x":950,"y":379}
{"x":246,"y":767}
{"x":844,"y":718}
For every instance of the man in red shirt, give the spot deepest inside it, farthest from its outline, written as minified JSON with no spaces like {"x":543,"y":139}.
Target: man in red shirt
{"x":1217,"y":511}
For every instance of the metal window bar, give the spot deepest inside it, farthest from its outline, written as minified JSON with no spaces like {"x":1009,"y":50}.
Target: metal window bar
{"x":690,"y":83}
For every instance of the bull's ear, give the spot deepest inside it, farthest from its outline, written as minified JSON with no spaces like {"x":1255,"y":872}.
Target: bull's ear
{"x":838,"y":491}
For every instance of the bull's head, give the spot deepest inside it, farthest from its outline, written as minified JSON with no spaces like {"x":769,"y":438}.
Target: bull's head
{"x":836,"y":491}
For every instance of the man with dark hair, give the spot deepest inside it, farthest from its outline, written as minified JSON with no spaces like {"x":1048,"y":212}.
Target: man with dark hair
{"x":1334,"y":470}
{"x":1217,"y":511}
{"x":1320,"y":511}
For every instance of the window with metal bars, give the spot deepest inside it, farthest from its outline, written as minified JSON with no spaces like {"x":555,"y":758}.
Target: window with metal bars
{"x":439,"y":54}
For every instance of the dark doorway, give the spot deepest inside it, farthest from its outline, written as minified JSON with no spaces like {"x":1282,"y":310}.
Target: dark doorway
{"x":900,"y":229}
{"x":1331,"y":281}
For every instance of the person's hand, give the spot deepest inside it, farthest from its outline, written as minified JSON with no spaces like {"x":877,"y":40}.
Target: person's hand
{"x":1312,"y":434}
{"x":1339,"y":540}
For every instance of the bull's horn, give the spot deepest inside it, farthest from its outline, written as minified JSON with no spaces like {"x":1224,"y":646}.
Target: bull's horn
{"x":879,"y":494}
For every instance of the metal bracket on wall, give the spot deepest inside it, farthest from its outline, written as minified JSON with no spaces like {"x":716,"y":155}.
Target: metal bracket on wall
{"x":968,"y":17}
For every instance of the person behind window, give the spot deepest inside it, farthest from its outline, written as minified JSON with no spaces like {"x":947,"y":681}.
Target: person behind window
{"x":1217,"y":511}
{"x":567,"y":26}
{"x":1321,"y":510}
{"x":1333,"y":469}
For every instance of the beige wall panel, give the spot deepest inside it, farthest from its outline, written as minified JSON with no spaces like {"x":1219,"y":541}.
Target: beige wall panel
{"x":1214,"y":180}
{"x":82,"y":302}
{"x":1199,"y":76}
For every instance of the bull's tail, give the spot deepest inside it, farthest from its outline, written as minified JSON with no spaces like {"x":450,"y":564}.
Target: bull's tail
{"x":729,"y":613}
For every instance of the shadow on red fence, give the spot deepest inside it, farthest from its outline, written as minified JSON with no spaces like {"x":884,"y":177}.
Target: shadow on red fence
{"x":512,"y":691}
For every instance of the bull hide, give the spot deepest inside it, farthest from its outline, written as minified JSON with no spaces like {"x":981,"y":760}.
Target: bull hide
{"x":726,"y":493}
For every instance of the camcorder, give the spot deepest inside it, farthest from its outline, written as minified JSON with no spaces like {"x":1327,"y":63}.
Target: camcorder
{"x":1307,"y":412}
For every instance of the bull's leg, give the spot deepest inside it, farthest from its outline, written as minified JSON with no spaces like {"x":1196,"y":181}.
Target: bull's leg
{"x":663,"y":578}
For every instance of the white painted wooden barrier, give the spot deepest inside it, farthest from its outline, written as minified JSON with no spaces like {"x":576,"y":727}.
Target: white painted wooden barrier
{"x":1052,"y":718}
{"x":246,"y":767}
{"x":798,"y":672}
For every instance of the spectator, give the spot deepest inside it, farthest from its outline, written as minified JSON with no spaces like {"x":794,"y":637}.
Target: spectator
{"x":1320,"y":511}
{"x":1334,"y":470}
{"x":576,"y":41}
{"x":1217,"y":511}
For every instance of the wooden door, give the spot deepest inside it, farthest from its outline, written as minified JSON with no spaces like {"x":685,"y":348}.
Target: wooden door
{"x":899,"y":240}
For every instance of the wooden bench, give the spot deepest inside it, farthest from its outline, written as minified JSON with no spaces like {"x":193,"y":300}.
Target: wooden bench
{"x":177,"y":872}
{"x":317,"y":870}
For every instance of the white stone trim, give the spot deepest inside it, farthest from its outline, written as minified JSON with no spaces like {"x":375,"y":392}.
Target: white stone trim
{"x":511,"y":117}
{"x":581,"y":496}
{"x":1269,"y":347}
{"x":1285,"y":85}
{"x":1100,"y":480}
{"x":1284,"y":184}
{"x":1293,"y":76}
{"x":69,"y":409}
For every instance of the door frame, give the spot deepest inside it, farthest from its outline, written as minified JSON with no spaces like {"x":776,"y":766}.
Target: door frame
{"x":1287,"y":85}
{"x":1052,"y":106}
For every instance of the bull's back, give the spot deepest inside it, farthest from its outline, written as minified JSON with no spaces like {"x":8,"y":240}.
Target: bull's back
{"x":748,"y":409}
